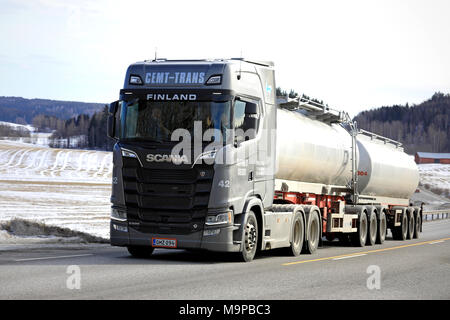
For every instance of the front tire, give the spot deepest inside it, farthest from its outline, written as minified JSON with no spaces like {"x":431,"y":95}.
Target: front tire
{"x":250,"y":238}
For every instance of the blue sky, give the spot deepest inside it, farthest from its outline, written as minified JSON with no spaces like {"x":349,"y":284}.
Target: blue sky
{"x":355,"y":55}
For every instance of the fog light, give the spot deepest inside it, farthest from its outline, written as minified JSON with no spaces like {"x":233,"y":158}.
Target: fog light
{"x":211,"y":232}
{"x":120,"y":228}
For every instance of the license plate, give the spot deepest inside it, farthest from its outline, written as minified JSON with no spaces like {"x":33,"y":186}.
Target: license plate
{"x":163,"y":242}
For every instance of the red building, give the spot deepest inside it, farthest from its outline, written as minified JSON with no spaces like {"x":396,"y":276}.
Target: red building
{"x":428,"y":157}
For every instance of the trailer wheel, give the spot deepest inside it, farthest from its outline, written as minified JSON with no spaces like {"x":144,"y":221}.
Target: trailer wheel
{"x":381,"y":231}
{"x":298,"y":235}
{"x":250,"y":238}
{"x":411,"y":226}
{"x":400,"y":232}
{"x":372,"y":229}
{"x":140,"y":251}
{"x":359,"y":237}
{"x":310,"y":245}
{"x":417,"y":227}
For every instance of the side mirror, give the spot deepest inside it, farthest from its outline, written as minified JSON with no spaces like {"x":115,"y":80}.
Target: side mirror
{"x":113,"y":107}
{"x":111,"y":127}
{"x":112,"y":120}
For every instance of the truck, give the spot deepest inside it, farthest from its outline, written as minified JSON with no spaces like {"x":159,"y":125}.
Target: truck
{"x":207,"y":157}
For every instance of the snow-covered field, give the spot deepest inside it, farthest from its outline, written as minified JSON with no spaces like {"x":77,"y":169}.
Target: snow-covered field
{"x":42,"y":187}
{"x":434,"y":189}
{"x":436,"y":175}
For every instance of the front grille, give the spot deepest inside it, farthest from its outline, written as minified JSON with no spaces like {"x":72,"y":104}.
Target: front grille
{"x":172,"y":199}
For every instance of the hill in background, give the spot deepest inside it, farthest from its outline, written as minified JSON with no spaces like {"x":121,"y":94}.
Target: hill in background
{"x":22,"y":111}
{"x":423,"y":127}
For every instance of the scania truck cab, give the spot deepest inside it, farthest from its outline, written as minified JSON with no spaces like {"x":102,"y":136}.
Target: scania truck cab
{"x":194,"y":155}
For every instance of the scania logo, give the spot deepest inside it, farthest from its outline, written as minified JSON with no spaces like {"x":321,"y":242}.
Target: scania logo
{"x":174,"y":158}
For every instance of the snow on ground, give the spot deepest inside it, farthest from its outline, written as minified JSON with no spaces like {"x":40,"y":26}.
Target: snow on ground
{"x":435,"y":174}
{"x":53,"y":187}
{"x":434,"y":186}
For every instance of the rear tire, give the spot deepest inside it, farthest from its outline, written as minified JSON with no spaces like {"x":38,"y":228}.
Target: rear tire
{"x":359,"y":238}
{"x":313,"y":233}
{"x":140,"y":251}
{"x":417,"y":227}
{"x":411,"y":226}
{"x":382,"y":228}
{"x":250,"y":240}
{"x":298,"y":235}
{"x":372,"y":229}
{"x":400,"y":232}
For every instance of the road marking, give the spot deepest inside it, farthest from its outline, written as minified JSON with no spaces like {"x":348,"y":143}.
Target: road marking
{"x":353,"y":256}
{"x":57,"y":257}
{"x":365,"y":252}
{"x":436,"y":242}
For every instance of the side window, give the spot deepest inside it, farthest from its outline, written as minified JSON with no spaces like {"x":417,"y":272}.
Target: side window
{"x":246,"y":119}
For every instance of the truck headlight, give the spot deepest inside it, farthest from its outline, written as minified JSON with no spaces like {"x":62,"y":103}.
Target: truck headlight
{"x":119,"y":215}
{"x":221,"y":218}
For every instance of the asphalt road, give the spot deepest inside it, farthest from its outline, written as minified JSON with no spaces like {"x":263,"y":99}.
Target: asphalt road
{"x":414,"y":269}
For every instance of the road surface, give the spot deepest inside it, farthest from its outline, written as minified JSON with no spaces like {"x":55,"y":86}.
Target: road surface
{"x":413,"y":269}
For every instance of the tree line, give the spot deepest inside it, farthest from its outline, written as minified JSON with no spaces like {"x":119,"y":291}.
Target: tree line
{"x":82,"y":132}
{"x":423,"y":127}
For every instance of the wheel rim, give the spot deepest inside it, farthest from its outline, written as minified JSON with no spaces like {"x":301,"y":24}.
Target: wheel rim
{"x":405,"y":226}
{"x":313,"y":233}
{"x":373,"y":228}
{"x":250,"y":236}
{"x":363,"y":229}
{"x":297,"y":233}
{"x":383,"y":228}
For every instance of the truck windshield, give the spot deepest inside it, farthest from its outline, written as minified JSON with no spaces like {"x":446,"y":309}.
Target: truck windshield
{"x":157,"y":120}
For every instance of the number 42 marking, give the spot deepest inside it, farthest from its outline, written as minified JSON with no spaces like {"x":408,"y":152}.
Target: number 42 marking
{"x":224,"y":183}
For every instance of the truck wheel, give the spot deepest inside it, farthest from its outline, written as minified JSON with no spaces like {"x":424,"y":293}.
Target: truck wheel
{"x":417,"y":227}
{"x":381,"y":231}
{"x":140,"y":251}
{"x":360,"y":236}
{"x":310,"y":245}
{"x":400,"y":232}
{"x":298,"y":234}
{"x":411,"y":226}
{"x":250,"y":238}
{"x":372,"y":229}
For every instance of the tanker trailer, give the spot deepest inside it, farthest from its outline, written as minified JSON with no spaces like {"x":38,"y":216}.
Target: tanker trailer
{"x":360,"y":182}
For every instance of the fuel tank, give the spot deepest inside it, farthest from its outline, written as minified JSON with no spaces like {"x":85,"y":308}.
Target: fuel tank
{"x":312,"y":151}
